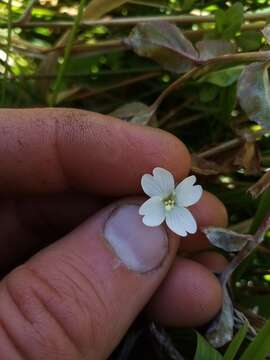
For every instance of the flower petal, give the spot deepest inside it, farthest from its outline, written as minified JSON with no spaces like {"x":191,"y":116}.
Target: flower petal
{"x":150,"y":186}
{"x":187,"y":193}
{"x":165,"y":180}
{"x":153,"y":211}
{"x":181,"y":221}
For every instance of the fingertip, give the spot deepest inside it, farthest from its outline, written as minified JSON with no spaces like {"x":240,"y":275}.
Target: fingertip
{"x":173,"y":154}
{"x":189,"y":296}
{"x":210,"y":211}
{"x":211,"y":260}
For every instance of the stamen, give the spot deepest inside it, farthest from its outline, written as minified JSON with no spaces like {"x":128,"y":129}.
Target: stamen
{"x":169,"y":203}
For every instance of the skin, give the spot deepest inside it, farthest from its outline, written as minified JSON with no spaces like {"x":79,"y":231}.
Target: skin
{"x":62,"y":172}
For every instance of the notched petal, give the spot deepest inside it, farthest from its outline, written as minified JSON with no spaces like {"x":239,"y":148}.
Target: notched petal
{"x":187,"y":193}
{"x":153,"y":211}
{"x":150,"y":185}
{"x":164,"y":179}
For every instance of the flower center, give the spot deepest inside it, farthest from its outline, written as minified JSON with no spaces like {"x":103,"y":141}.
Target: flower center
{"x":169,"y":202}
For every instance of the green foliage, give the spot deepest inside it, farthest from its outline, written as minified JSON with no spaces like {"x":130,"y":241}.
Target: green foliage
{"x":229,"y":22}
{"x":260,"y":347}
{"x":237,"y":341}
{"x":205,"y":351}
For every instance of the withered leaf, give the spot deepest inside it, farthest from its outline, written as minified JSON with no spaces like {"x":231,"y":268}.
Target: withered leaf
{"x":260,"y":186}
{"x":209,"y":49}
{"x":225,"y":239}
{"x":254,"y":93}
{"x":220,"y":330}
{"x":164,"y":43}
{"x":135,"y":112}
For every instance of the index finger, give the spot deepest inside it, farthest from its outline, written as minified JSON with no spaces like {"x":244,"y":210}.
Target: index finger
{"x":51,"y":150}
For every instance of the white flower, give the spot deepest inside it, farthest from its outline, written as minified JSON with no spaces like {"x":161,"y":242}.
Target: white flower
{"x":168,"y":202}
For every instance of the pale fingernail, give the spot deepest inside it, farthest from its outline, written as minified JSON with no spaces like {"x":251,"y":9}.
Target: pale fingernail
{"x":141,"y":248}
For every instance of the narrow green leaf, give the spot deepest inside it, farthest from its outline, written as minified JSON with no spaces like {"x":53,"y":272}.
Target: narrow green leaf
{"x":260,"y":347}
{"x":70,"y":41}
{"x":254,"y":93}
{"x":235,"y":344}
{"x":164,"y":43}
{"x":9,"y":30}
{"x":205,"y":351}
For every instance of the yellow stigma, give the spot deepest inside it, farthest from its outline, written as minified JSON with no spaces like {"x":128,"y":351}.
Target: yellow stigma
{"x":169,"y":203}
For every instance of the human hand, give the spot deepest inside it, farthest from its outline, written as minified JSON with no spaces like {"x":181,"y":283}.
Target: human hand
{"x":65,"y":178}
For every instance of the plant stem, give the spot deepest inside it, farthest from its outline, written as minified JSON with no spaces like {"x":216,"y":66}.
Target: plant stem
{"x":228,"y":145}
{"x":26,"y":15}
{"x":131,"y":21}
{"x":69,"y":44}
{"x":174,"y":86}
{"x":240,"y":57}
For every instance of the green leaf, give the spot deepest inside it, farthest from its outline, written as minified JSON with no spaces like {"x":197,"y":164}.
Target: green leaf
{"x":254,"y":93}
{"x":187,"y":4}
{"x":229,"y":22}
{"x":260,"y":347}
{"x":225,"y":239}
{"x":223,"y":78}
{"x":205,"y":351}
{"x":98,"y":8}
{"x":249,"y":40}
{"x":208,"y":93}
{"x":164,"y":43}
{"x":236,"y":343}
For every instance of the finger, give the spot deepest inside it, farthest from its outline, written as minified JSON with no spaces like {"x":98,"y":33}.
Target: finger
{"x":209,"y":211}
{"x":78,"y":297}
{"x":31,"y":223}
{"x":28,"y":224}
{"x":51,"y":150}
{"x":211,"y":260}
{"x":190,"y":296}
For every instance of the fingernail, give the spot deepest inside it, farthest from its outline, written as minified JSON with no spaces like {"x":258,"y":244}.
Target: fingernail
{"x":141,"y":248}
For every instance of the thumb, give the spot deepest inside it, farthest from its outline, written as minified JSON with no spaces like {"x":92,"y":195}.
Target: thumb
{"x":77,"y":298}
